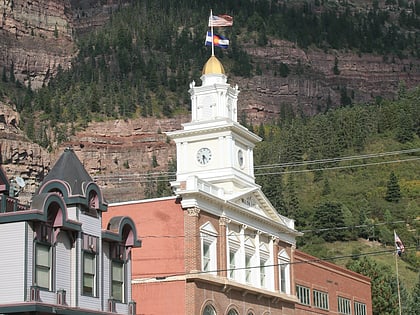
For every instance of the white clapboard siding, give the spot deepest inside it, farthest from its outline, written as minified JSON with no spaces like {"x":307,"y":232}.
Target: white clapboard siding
{"x":106,"y":271}
{"x":64,"y":261}
{"x":91,"y":225}
{"x":12,"y":262}
{"x":72,"y":213}
{"x":29,"y":257}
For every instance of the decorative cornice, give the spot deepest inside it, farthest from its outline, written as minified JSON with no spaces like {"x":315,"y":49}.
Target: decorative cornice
{"x":223,"y":221}
{"x":193,"y":211}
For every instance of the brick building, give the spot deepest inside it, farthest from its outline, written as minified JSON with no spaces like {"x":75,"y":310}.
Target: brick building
{"x":325,"y":288}
{"x":218,"y":246}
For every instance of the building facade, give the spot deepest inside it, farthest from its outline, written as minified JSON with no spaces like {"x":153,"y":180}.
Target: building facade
{"x":325,"y":288}
{"x":55,"y":256}
{"x":219,"y":246}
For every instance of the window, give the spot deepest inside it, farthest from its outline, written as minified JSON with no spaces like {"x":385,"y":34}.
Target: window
{"x":43,"y":255}
{"x":320,"y":299}
{"x":118,"y":280}
{"x":232,"y":264}
{"x":118,"y":273}
{"x":248,"y":270}
{"x":209,"y":310}
{"x":359,"y":308}
{"x":284,"y":272}
{"x":89,"y":281}
{"x":43,"y":265}
{"x":234,"y":257}
{"x":283,"y":287}
{"x":262,"y":273}
{"x":344,"y":306}
{"x":303,"y":294}
{"x":89,"y":273}
{"x":232,"y":312}
{"x":208,"y":248}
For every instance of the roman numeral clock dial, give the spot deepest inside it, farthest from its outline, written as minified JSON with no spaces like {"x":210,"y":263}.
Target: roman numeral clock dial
{"x":203,"y":156}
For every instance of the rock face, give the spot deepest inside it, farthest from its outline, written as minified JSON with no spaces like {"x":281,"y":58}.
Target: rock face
{"x":313,"y":84}
{"x":36,"y":37}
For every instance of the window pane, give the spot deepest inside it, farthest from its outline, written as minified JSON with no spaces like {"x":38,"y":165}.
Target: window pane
{"x":117,"y":292}
{"x":89,"y":273}
{"x":88,"y":284}
{"x":42,"y":255}
{"x":43,"y":278}
{"x":283,"y":279}
{"x":117,"y":272}
{"x":248,"y":269}
{"x":209,"y":310}
{"x":89,"y":263}
{"x":118,"y":280}
{"x":42,"y":266}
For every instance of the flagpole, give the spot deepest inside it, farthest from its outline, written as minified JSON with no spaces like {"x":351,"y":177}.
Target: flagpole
{"x":398,"y":281}
{"x":212,"y":34}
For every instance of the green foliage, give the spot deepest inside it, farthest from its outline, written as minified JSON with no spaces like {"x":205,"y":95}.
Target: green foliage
{"x":328,"y":218}
{"x":384,"y":285}
{"x":393,"y":193}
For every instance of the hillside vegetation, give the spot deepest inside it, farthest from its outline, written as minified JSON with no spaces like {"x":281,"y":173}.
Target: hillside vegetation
{"x":348,"y":174}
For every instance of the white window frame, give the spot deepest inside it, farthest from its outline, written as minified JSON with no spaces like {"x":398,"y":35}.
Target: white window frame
{"x":208,"y":236}
{"x":359,"y":308}
{"x":304,"y":294}
{"x":233,"y":253}
{"x":89,"y":274}
{"x":118,"y":282}
{"x":344,"y":305}
{"x":43,"y":268}
{"x":320,"y":299}
{"x":283,"y":261}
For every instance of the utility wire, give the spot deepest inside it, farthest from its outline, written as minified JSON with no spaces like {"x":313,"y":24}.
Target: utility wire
{"x":304,"y":231}
{"x":163,"y":176}
{"x":164,"y":276}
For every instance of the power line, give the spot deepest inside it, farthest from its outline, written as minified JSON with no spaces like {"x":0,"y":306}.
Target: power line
{"x":304,"y":231}
{"x":338,"y":159}
{"x":164,"y":175}
{"x":164,"y":276}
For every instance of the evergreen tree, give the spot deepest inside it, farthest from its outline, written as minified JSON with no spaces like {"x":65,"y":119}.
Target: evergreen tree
{"x":393,"y":193}
{"x":384,"y":290}
{"x":327,"y":218}
{"x":414,"y":302}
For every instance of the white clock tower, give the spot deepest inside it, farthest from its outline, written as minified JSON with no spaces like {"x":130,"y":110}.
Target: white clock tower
{"x":214,"y":147}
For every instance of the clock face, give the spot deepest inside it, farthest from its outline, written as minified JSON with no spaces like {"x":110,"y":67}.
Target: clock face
{"x":241,"y":158}
{"x":203,"y":156}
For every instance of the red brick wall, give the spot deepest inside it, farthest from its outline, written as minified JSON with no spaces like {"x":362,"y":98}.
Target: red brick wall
{"x":335,"y":280}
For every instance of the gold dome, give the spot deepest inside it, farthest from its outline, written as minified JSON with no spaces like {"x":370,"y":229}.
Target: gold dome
{"x":213,"y":66}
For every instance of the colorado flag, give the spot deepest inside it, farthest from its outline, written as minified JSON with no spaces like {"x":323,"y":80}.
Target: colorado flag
{"x":218,"y":40}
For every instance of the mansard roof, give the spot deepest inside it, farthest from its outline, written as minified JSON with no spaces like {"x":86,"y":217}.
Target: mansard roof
{"x":69,"y":178}
{"x":69,"y":169}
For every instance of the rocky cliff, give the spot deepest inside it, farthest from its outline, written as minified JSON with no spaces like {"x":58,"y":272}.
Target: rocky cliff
{"x":36,"y":37}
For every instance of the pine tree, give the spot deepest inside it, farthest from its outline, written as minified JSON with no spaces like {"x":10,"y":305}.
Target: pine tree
{"x":393,"y":193}
{"x":384,"y":290}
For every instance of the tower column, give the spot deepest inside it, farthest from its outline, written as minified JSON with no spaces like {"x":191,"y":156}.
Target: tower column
{"x":222,"y":261}
{"x":192,"y":242}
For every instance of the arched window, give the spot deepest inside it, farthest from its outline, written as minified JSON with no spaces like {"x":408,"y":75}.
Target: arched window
{"x":232,"y":312}
{"x":208,"y":235}
{"x":209,"y":310}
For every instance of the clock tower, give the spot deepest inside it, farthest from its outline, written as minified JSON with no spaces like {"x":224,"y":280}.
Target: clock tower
{"x":214,"y":147}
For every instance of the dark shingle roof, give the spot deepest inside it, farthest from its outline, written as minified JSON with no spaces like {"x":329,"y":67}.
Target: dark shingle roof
{"x":69,"y":169}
